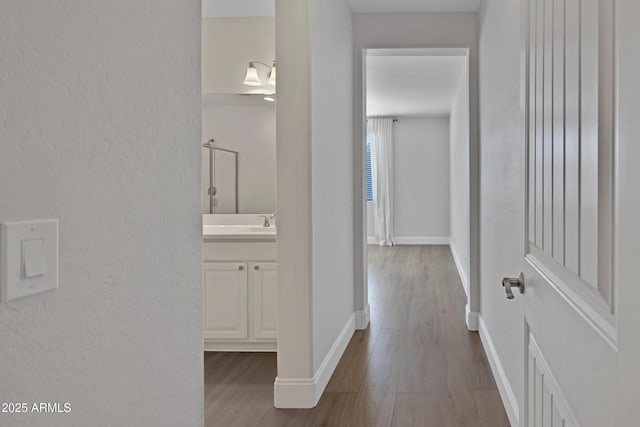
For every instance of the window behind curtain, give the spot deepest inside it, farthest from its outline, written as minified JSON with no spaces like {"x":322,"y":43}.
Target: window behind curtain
{"x":368,"y":175}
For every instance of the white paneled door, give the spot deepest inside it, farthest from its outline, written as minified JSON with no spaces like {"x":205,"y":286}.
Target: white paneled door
{"x":567,"y":93}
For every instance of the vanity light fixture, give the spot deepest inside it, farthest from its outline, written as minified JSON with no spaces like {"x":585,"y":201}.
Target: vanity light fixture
{"x":252,"y":78}
{"x":270,"y":98}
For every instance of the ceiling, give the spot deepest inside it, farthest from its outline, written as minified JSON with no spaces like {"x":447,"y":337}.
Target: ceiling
{"x":237,"y":8}
{"x":399,"y":6}
{"x":412,"y":85}
{"x":247,"y":8}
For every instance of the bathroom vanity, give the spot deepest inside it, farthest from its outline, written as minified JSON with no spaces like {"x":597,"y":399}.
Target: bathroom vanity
{"x":240,"y":283}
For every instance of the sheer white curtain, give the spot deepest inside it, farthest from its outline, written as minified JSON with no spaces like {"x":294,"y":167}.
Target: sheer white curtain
{"x":380,"y":132}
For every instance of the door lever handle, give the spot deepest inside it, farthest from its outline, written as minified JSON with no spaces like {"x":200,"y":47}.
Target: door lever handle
{"x":510,"y":282}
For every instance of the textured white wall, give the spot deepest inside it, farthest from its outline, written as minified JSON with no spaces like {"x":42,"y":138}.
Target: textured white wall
{"x":234,"y":8}
{"x":421,"y":183}
{"x":413,"y":6}
{"x":250,"y":130}
{"x":332,"y":171}
{"x":100,"y":127}
{"x":314,"y":130}
{"x":293,"y":150}
{"x":421,"y":178}
{"x":459,"y":170}
{"x":502,"y":208}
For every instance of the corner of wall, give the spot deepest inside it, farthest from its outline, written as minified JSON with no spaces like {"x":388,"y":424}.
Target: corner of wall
{"x":461,"y":270}
{"x":471,"y":318}
{"x":362,"y":318}
{"x":304,"y":393}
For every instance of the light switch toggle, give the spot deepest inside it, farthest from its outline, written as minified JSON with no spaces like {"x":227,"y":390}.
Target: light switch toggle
{"x":33,"y":258}
{"x":28,"y":258}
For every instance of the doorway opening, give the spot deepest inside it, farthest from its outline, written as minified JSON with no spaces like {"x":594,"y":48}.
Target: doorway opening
{"x":416,"y":168}
{"x":238,"y":189}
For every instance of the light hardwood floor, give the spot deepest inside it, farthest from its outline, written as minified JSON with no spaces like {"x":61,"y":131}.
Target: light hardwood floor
{"x":416,"y":365}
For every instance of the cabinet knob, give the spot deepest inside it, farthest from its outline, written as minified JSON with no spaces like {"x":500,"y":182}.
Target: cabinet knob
{"x":257,"y":267}
{"x":241,"y":267}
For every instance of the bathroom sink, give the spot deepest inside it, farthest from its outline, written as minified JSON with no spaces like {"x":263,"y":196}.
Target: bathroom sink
{"x":262,"y":230}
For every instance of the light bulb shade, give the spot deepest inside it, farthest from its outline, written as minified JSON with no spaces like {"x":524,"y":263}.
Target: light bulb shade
{"x":252,"y":78}
{"x":272,"y":76}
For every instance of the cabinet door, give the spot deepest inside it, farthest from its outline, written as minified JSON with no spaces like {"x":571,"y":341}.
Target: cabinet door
{"x":226,"y":301}
{"x":264,"y":284}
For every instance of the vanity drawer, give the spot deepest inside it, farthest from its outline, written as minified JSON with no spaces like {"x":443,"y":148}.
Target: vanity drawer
{"x":235,"y":251}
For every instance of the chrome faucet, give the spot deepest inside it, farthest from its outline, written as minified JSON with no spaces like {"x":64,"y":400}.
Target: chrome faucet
{"x":268,"y":219}
{"x":267,"y":223}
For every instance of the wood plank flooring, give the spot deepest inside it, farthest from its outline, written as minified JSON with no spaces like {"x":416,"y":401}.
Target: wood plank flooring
{"x":416,"y":365}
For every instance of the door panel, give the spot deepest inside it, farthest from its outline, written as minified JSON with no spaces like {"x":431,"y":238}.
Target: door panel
{"x":589,"y":141}
{"x":564,"y":134}
{"x":530,"y":106}
{"x":571,"y":362}
{"x":546,"y":113}
{"x":264,"y":281}
{"x":225,"y":296}
{"x":558,"y":94}
{"x":537,"y":176}
{"x":580,"y":359}
{"x":572,"y":141}
{"x":549,"y":405}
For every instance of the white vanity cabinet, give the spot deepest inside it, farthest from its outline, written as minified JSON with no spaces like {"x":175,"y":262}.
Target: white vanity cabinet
{"x":240,"y":296}
{"x":226,"y":292}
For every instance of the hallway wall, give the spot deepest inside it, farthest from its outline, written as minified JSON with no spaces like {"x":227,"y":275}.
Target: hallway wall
{"x":459,"y":181}
{"x":293,"y":181}
{"x":332,"y":172}
{"x":502,"y":207}
{"x":100,"y":128}
{"x":314,"y":127}
{"x":420,"y":182}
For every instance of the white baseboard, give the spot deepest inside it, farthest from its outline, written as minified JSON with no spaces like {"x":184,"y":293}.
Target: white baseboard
{"x":460,"y":267}
{"x":304,"y":393}
{"x":471,"y":318}
{"x":362,"y":318}
{"x":294,"y":393}
{"x":419,"y":240}
{"x":414,"y":240}
{"x":504,"y":387}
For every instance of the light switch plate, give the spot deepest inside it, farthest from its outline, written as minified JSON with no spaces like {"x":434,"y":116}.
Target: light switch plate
{"x":28,"y":258}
